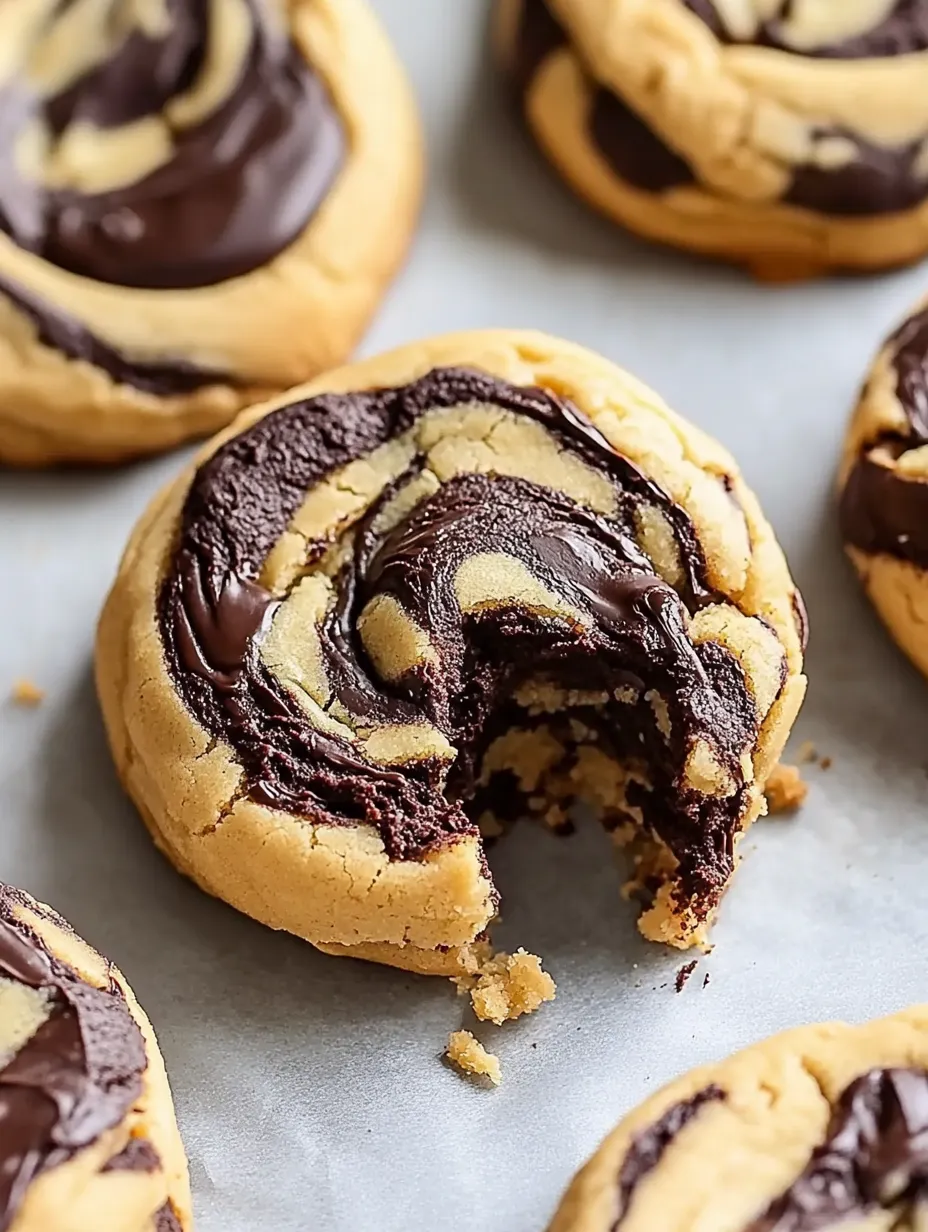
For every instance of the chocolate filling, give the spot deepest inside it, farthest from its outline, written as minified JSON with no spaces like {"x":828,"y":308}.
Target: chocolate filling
{"x":64,"y":333}
{"x":213,"y":614}
{"x":239,"y":188}
{"x":138,"y":1155}
{"x":874,"y":1157}
{"x":77,"y":1077}
{"x":647,"y":1148}
{"x":902,"y":31}
{"x":883,"y":511}
{"x":166,"y":1219}
{"x":878,"y":180}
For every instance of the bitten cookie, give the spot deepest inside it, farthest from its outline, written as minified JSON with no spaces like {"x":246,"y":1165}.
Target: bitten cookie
{"x":88,"y":1140}
{"x":201,"y":202}
{"x":822,"y":1127}
{"x":791,"y":137}
{"x":884,"y":486}
{"x":488,"y":573}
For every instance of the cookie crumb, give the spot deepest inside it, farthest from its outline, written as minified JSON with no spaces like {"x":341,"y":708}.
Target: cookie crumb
{"x":705,"y":980}
{"x":508,"y":986}
{"x":26,"y":693}
{"x":470,"y":1056}
{"x":785,"y":789}
{"x":807,"y":752}
{"x":826,"y":763}
{"x":684,"y":974}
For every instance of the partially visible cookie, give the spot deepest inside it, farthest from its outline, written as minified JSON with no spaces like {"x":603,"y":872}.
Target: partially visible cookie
{"x":884,"y":486}
{"x":201,"y":202}
{"x":823,"y":1127}
{"x":788,"y":137}
{"x":88,"y":1140}
{"x":484,"y":573}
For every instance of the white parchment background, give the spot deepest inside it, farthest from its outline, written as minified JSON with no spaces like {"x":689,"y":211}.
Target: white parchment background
{"x":309,"y":1089}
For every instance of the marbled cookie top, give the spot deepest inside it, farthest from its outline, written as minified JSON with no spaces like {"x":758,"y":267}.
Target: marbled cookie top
{"x":364,"y":582}
{"x":159,"y":143}
{"x":820,"y":1128}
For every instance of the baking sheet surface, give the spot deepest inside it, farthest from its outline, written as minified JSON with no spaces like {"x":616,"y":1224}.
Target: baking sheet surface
{"x":309,"y":1089}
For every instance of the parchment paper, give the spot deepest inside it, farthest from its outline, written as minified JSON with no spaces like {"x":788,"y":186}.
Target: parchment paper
{"x":309,"y":1089}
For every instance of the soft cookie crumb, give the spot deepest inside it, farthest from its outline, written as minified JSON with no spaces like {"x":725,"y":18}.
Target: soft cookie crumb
{"x":26,"y":693}
{"x":508,"y":986}
{"x":785,"y":789}
{"x":807,"y":752}
{"x":469,"y":1055}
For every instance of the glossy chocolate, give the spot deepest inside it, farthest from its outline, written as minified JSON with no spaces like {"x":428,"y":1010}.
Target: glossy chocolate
{"x":239,"y":187}
{"x":882,"y":510}
{"x":213,"y":614}
{"x":78,"y":1075}
{"x":878,"y":179}
{"x":66,"y":334}
{"x":874,"y":1158}
{"x":902,"y":31}
{"x":647,"y":1148}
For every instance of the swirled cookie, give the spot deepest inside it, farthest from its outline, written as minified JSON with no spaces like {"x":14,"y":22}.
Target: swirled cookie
{"x":884,"y":486}
{"x":201,"y":202}
{"x":791,"y":137}
{"x":88,"y":1141}
{"x":488,"y":572}
{"x":823,"y":1127}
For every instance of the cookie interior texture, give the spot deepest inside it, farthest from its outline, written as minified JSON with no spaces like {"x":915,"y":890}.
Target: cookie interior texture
{"x":723,"y":116}
{"x":820,"y":1128}
{"x":81,"y":1132}
{"x":407,"y":609}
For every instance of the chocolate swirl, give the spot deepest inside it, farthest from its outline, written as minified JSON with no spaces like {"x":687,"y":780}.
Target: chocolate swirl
{"x":79,"y":1074}
{"x":876,"y":180}
{"x":902,"y":31}
{"x":882,"y":510}
{"x":237,"y":186}
{"x":630,"y":627}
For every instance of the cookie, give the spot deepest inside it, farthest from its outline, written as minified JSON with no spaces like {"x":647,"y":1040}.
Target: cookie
{"x":821,"y":1127}
{"x":884,"y":486}
{"x":788,"y":137}
{"x":201,"y":203}
{"x":88,"y":1140}
{"x":484,"y":575}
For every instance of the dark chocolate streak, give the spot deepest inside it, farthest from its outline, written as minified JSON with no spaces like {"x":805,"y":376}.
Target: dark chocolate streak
{"x":879,"y":180}
{"x":213,"y":613}
{"x":166,"y":1219}
{"x":64,"y":333}
{"x":76,"y":1078}
{"x":883,"y":511}
{"x":902,"y":31}
{"x":874,"y":1157}
{"x":238,"y":189}
{"x":138,"y":1155}
{"x":648,"y":1147}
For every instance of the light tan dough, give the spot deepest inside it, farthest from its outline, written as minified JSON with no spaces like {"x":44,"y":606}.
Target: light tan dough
{"x":299,"y":314}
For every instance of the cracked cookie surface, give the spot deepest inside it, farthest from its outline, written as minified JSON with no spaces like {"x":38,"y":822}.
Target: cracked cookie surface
{"x":485,"y":573}
{"x":201,"y":202}
{"x":819,"y":1128}
{"x":884,"y":486}
{"x":88,"y":1140}
{"x":788,"y":137}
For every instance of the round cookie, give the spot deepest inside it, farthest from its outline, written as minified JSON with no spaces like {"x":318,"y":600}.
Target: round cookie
{"x":818,"y":1128}
{"x":790,"y":137}
{"x":884,"y":486}
{"x":88,"y":1140}
{"x":201,"y":203}
{"x":485,"y":574}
